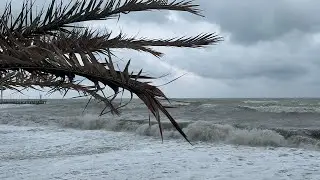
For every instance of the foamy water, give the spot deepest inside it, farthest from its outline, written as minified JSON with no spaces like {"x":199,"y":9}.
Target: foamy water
{"x":52,"y":153}
{"x":57,"y":141}
{"x":281,"y":109}
{"x":8,"y":106}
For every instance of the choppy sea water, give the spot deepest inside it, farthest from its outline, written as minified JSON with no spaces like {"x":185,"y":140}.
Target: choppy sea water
{"x":232,"y":139}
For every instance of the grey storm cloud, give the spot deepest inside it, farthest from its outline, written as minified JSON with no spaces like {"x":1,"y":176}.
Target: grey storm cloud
{"x":250,"y":21}
{"x":258,"y":20}
{"x":291,"y":57}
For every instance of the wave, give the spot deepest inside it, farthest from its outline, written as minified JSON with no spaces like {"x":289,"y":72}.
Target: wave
{"x":206,"y":131}
{"x":281,"y":109}
{"x":175,"y":103}
{"x":196,"y":131}
{"x":261,"y":102}
{"x":208,"y":105}
{"x":165,"y":103}
{"x":9,"y":106}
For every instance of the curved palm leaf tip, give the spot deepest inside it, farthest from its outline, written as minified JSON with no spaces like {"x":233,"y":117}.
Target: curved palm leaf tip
{"x":48,"y":49}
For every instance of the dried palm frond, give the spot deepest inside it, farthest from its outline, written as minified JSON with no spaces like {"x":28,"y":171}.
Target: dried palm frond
{"x":50,"y":49}
{"x":21,"y":79}
{"x":94,"y":42}
{"x":59,"y":17}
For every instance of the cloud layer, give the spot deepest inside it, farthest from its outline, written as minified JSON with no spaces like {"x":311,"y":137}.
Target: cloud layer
{"x":270,"y":49}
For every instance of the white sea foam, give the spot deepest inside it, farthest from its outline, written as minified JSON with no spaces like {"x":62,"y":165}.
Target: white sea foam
{"x":260,"y":101}
{"x":208,"y":105}
{"x":8,"y":106}
{"x":284,"y":109}
{"x":50,"y":153}
{"x":165,"y":103}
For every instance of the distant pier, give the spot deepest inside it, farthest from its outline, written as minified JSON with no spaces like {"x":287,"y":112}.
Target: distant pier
{"x":23,"y":101}
{"x":20,"y":101}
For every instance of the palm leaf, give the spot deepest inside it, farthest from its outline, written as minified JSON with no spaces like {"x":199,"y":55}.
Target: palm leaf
{"x":59,"y":17}
{"x":47,"y":49}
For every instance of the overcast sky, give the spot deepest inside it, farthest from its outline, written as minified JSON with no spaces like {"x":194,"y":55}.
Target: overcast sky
{"x":270,"y":49}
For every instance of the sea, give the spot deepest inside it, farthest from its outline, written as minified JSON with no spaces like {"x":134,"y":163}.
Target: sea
{"x":240,"y":139}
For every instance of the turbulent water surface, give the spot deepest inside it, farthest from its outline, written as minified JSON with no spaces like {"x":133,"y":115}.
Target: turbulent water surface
{"x":233,"y":139}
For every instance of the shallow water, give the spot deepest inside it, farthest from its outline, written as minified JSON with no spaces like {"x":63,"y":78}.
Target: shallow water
{"x":57,"y":141}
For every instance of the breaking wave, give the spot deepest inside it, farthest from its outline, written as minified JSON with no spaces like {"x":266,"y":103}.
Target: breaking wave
{"x":208,"y":105}
{"x":196,"y":131}
{"x":281,"y":109}
{"x":264,"y":102}
{"x":143,"y":106}
{"x":9,"y":106}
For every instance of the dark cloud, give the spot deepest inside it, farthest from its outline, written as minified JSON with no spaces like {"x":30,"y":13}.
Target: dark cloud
{"x":279,"y":72}
{"x":251,"y":21}
{"x":225,"y":68}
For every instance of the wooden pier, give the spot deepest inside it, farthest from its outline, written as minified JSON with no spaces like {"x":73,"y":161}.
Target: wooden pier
{"x":23,"y":101}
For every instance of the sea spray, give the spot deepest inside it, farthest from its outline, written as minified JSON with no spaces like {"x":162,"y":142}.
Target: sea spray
{"x":87,"y":122}
{"x":206,"y":131}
